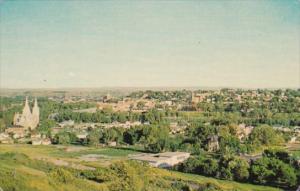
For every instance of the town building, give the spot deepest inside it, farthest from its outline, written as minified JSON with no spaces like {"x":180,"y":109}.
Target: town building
{"x":213,"y":143}
{"x":5,"y":138}
{"x":244,"y":131}
{"x":162,"y":160}
{"x":28,"y":119}
{"x":17,"y":132}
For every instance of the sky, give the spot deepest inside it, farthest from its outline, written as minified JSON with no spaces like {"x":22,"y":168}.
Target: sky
{"x":217,"y":43}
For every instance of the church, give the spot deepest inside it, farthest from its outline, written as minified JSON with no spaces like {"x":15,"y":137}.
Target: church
{"x":28,"y":119}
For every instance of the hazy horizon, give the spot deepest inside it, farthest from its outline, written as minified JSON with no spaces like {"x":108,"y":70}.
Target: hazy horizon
{"x":133,"y":44}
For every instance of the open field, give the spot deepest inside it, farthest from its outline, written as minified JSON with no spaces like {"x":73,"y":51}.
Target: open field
{"x":33,"y":173}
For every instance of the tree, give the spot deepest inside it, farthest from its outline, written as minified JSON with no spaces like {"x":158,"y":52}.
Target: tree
{"x":230,"y":144}
{"x":264,"y":135}
{"x":278,"y":154}
{"x":65,"y":138}
{"x":155,"y":138}
{"x":198,"y":133}
{"x":240,"y":169}
{"x":133,"y":135}
{"x":122,"y":117}
{"x":46,"y":125}
{"x":61,"y":175}
{"x":140,"y":105}
{"x":233,"y":168}
{"x":93,"y":137}
{"x":210,"y":167}
{"x":190,"y":165}
{"x":112,"y":134}
{"x":129,"y":178}
{"x":273,"y":171}
{"x":2,"y":125}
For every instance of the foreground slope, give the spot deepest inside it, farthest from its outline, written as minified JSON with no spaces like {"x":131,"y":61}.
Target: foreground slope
{"x":18,"y":171}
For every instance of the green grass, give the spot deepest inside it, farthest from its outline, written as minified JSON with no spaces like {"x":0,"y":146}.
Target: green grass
{"x":226,"y":185}
{"x":110,"y":152}
{"x":20,"y":177}
{"x":22,"y":171}
{"x":296,"y":153}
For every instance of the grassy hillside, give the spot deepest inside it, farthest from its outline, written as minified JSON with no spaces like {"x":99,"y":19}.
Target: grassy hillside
{"x":23,"y":167}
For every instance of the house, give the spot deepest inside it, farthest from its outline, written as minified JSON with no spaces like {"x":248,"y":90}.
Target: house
{"x":283,"y":129}
{"x":17,"y":132}
{"x":5,"y":138}
{"x":213,"y":143}
{"x":46,"y":141}
{"x":66,"y":123}
{"x":162,"y":160}
{"x":82,"y":135}
{"x":112,"y":143}
{"x":35,"y":136}
{"x":36,"y":141}
{"x":244,"y":131}
{"x":293,"y":140}
{"x":177,"y":128}
{"x":196,"y":97}
{"x":168,"y":103}
{"x":41,"y":141}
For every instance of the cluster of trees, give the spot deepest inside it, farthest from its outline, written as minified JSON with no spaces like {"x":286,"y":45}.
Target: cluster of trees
{"x":255,"y":117}
{"x":183,"y":95}
{"x":254,"y":114}
{"x":264,"y":135}
{"x":65,"y":137}
{"x":152,"y":137}
{"x":156,"y":138}
{"x":153,"y":116}
{"x":104,"y":136}
{"x":197,"y":135}
{"x":227,"y":167}
{"x":131,"y":175}
{"x":98,"y":117}
{"x":274,"y":168}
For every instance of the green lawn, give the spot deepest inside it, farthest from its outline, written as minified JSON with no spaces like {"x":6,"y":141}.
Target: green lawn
{"x":110,"y":152}
{"x":228,"y":185}
{"x":32,"y":173}
{"x":296,"y":153}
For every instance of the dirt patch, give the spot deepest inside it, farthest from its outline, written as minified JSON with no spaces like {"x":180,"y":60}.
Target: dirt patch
{"x":60,"y":162}
{"x":71,"y":148}
{"x":92,"y":157}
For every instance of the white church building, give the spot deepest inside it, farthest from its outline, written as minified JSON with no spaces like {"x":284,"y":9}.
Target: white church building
{"x":28,"y":119}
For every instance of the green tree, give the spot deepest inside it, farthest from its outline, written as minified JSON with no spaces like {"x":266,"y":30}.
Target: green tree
{"x":2,"y":125}
{"x":93,"y":137}
{"x":65,"y":138}
{"x":264,"y":135}
{"x":273,"y":171}
{"x":140,"y":105}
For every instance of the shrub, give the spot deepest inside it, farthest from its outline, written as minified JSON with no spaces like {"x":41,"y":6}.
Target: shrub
{"x":61,"y":175}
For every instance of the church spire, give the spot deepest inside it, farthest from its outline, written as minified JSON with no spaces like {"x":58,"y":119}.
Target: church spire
{"x":36,"y":112}
{"x":35,"y":103}
{"x":35,"y":109}
{"x":26,"y":109}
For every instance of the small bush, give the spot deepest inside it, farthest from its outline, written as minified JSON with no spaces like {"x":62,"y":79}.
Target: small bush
{"x":61,"y":175}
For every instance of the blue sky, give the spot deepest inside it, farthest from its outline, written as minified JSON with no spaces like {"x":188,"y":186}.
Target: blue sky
{"x":55,"y":44}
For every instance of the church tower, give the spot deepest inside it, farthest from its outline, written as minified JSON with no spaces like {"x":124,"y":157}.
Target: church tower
{"x":36,"y":113}
{"x":27,"y":119}
{"x":26,"y":110}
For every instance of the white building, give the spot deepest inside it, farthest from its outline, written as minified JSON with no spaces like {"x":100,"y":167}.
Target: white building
{"x":162,"y":160}
{"x":28,"y":119}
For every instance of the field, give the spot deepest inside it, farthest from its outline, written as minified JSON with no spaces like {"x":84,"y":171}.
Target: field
{"x":32,"y":172}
